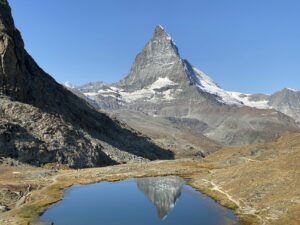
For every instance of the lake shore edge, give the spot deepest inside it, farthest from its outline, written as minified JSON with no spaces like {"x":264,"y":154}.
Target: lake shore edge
{"x":41,"y":200}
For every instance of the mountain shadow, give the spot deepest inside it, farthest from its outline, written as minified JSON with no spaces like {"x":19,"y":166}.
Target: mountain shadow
{"x":68,"y":129}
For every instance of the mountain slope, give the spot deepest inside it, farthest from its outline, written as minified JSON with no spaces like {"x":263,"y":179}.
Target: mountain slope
{"x":286,"y":101}
{"x":42,"y":122}
{"x":181,"y":135}
{"x":162,"y":84}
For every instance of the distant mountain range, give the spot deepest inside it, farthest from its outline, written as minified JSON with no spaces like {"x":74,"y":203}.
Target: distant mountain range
{"x":286,"y":101}
{"x":163,"y":86}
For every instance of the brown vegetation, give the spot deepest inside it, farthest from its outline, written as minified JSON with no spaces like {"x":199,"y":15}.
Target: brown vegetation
{"x":260,"y":182}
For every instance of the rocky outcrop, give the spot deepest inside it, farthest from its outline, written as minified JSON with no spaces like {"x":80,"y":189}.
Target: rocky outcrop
{"x":41,"y":121}
{"x":157,"y":59}
{"x":286,"y":101}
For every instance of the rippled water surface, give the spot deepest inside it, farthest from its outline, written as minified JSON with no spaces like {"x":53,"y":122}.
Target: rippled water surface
{"x":144,"y":201}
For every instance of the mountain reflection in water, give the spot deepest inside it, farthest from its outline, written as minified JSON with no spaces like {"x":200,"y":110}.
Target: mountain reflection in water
{"x":133,"y":202}
{"x":163,"y":192}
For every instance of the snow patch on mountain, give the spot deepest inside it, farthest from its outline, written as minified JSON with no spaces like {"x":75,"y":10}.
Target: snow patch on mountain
{"x":163,"y":88}
{"x":291,"y":89}
{"x":206,"y":84}
{"x":162,"y":82}
{"x":151,"y":91}
{"x":91,"y":94}
{"x":245,"y":99}
{"x":68,"y":84}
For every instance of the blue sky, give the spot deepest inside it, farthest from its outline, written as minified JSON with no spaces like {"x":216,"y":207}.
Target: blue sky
{"x":244,"y":45}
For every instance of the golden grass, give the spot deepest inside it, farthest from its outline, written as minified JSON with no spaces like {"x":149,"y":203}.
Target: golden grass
{"x":267,"y":183}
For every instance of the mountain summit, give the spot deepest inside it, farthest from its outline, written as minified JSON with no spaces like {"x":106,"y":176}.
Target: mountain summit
{"x":160,"y":32}
{"x":158,"y":59}
{"x":162,"y":85}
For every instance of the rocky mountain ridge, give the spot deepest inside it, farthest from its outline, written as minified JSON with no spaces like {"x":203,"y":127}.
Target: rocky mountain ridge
{"x":42,"y":122}
{"x":286,"y":101}
{"x":162,"y":84}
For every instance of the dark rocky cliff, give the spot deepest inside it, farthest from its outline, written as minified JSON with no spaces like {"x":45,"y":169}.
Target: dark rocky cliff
{"x":42,"y":122}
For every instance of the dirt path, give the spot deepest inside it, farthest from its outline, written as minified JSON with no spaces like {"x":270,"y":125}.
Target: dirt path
{"x":245,"y":209}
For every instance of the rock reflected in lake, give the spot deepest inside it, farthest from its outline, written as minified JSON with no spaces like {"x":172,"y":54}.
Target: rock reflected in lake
{"x":163,"y":192}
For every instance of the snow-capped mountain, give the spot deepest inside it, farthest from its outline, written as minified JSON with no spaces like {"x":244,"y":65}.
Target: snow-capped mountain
{"x":161,"y":54}
{"x":286,"y":101}
{"x":162,"y":84}
{"x":164,"y":77}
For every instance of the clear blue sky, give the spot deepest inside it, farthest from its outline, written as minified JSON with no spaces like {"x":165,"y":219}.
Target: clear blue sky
{"x":244,"y":45}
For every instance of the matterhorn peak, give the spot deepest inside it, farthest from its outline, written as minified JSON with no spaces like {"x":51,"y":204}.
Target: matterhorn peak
{"x":158,"y":59}
{"x":160,"y":32}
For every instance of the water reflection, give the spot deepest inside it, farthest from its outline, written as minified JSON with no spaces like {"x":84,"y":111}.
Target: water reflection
{"x":125,"y":203}
{"x":163,"y":192}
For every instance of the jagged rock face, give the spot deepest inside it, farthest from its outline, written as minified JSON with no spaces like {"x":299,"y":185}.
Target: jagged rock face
{"x":42,"y":122}
{"x":158,"y":59}
{"x":159,"y":73}
{"x":12,"y":67}
{"x":161,"y":84}
{"x":162,"y":192}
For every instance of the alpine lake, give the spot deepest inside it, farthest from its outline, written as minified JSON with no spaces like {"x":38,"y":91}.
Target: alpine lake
{"x":143,"y":201}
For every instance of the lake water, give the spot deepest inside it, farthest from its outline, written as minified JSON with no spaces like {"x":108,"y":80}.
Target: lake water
{"x":143,"y":201}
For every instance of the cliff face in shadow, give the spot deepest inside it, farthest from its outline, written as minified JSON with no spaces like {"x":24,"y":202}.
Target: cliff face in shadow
{"x":62,"y":127}
{"x":162,"y":192}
